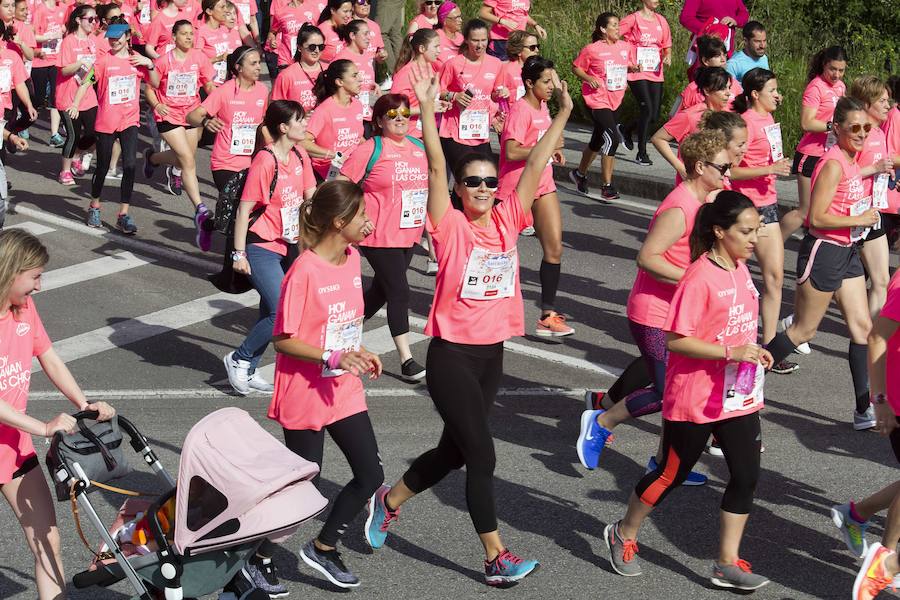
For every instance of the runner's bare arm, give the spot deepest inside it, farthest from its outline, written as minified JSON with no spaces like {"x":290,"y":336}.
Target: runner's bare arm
{"x":425,"y":84}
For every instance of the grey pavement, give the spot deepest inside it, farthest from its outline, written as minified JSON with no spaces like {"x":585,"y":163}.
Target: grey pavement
{"x":149,"y":338}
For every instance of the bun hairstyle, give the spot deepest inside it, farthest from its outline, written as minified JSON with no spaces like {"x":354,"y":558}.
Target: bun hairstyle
{"x":823,"y":57}
{"x":710,"y":46}
{"x":337,"y":200}
{"x":411,"y":44}
{"x":600,"y":24}
{"x":179,"y":24}
{"x":237,"y":58}
{"x":845,"y":106}
{"x":754,"y":81}
{"x":723,"y":212}
{"x":326,"y":83}
{"x":534,"y":67}
{"x":307,"y":30}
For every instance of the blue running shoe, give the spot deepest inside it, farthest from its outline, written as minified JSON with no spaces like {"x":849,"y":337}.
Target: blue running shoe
{"x":853,"y":532}
{"x":508,"y":568}
{"x":379,"y":518}
{"x":93,"y":217}
{"x":592,"y":439}
{"x":125,"y":224}
{"x":693,"y":477}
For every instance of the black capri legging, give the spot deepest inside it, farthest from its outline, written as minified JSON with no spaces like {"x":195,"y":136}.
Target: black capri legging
{"x":683,"y":443}
{"x":605,"y":138}
{"x":128,"y":139}
{"x":80,"y":132}
{"x":44,"y":79}
{"x":463,"y":380}
{"x":649,"y":98}
{"x":389,"y":286}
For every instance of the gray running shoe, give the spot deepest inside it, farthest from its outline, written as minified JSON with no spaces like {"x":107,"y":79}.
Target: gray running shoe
{"x":261,"y":571}
{"x":737,"y":576}
{"x":329,"y":564}
{"x":93,"y":217}
{"x":622,"y":553}
{"x":866,"y":420}
{"x":853,"y":532}
{"x":580,"y":181}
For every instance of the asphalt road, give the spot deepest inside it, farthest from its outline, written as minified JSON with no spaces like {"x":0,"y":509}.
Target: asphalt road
{"x":147,"y":332}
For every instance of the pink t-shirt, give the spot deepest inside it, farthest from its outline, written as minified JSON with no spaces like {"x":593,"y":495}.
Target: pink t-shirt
{"x":396,"y":191}
{"x":651,"y":39}
{"x":822,"y":96}
{"x":118,"y":93}
{"x":526,"y":125}
{"x":180,"y":82}
{"x":850,"y":193}
{"x":242,"y":111}
{"x":608,"y":63}
{"x":510,"y":77}
{"x":515,"y":10}
{"x":891,"y":128}
{"x":420,"y":21}
{"x":288,"y":22}
{"x":25,"y":34}
{"x":22,"y":337}
{"x":72,"y":50}
{"x":691,"y":95}
{"x":321,"y":304}
{"x":719,"y":307}
{"x":246,"y":10}
{"x":294,"y":83}
{"x":891,"y":310}
{"x":333,"y":43}
{"x":215,"y":42}
{"x":48,"y":20}
{"x":363,"y":62}
{"x":874,"y":150}
{"x":648,"y":302}
{"x":449,"y":47}
{"x":470,"y":127}
{"x":279,"y":224}
{"x":12,"y":69}
{"x":477,"y":296}
{"x":760,"y":128}
{"x":159,"y":34}
{"x":376,"y":41}
{"x":685,"y":122}
{"x":335,"y":127}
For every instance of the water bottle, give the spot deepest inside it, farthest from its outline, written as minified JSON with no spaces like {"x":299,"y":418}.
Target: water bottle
{"x":746,"y":378}
{"x":335,"y":168}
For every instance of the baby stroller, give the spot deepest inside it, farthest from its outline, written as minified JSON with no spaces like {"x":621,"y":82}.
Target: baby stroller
{"x":237,"y":487}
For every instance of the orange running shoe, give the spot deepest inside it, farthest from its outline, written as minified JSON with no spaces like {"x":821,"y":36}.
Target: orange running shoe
{"x":872,"y":576}
{"x":553,"y":325}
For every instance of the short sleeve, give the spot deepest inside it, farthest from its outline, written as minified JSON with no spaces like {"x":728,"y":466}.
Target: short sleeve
{"x":207,"y":73}
{"x":318,"y":120}
{"x":259,"y":179}
{"x":355,"y":166}
{"x":687,"y":309}
{"x":213,"y":102}
{"x":41,"y":341}
{"x":679,"y":126}
{"x":812,"y":96}
{"x":891,"y":308}
{"x":583,"y":60}
{"x":154,"y":34}
{"x":19,"y":75}
{"x":447,"y":74}
{"x":666,"y":39}
{"x":517,"y":126}
{"x":279,"y":88}
{"x":309,"y":177}
{"x":626,"y":25}
{"x":292,"y":302}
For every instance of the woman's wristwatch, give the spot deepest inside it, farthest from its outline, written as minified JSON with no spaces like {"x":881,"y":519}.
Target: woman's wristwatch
{"x":237,"y":255}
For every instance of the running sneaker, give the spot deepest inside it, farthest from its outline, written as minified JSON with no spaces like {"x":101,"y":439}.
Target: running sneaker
{"x":329,"y":564}
{"x":379,"y":518}
{"x":693,"y":477}
{"x":65,"y":178}
{"x":431,"y":267}
{"x":93,"y":217}
{"x":508,"y":568}
{"x":593,"y":400}
{"x":625,"y":138}
{"x":258,"y":384}
{"x":553,"y":325}
{"x":786,"y":322}
{"x":56,"y":141}
{"x":149,"y":167}
{"x":528,"y":231}
{"x":86,"y":159}
{"x":714,"y":448}
{"x":643,"y":160}
{"x":24,"y":134}
{"x":238,"y":373}
{"x":76,"y":169}
{"x":202,"y":235}
{"x":785,"y":367}
{"x":622,"y":553}
{"x":864,"y":421}
{"x":173,"y":182}
{"x":261,"y":571}
{"x":853,"y":532}
{"x":580,"y":181}
{"x":411,"y":371}
{"x":114,"y":173}
{"x":125,"y":224}
{"x":873,"y":576}
{"x":591,"y":439}
{"x":738,"y":576}
{"x":608,"y":192}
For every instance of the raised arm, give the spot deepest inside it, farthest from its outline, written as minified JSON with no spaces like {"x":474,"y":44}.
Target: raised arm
{"x":425,"y":84}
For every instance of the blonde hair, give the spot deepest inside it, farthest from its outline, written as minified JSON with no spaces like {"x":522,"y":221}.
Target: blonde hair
{"x":868,"y":89}
{"x":333,"y":201}
{"x":701,"y":147}
{"x":19,"y":251}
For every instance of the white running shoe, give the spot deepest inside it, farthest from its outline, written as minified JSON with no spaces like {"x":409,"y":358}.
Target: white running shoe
{"x":528,"y":231}
{"x":783,"y":324}
{"x":238,"y":373}
{"x":258,"y":384}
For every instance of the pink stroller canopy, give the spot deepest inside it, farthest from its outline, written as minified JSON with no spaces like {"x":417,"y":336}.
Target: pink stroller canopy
{"x":237,"y":483}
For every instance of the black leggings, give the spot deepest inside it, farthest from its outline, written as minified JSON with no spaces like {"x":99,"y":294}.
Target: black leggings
{"x":44,"y":79}
{"x":605,"y":138}
{"x":389,"y":286}
{"x":356,"y":439}
{"x":128,"y":139}
{"x":80,"y":132}
{"x":683,"y":443}
{"x":649,"y":97}
{"x":463,"y":380}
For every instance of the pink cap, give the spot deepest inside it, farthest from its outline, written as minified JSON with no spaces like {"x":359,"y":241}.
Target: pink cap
{"x":444,"y":10}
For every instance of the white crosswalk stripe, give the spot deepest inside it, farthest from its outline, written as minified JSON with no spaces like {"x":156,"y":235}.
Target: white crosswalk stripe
{"x":92,"y":269}
{"x":33,"y":228}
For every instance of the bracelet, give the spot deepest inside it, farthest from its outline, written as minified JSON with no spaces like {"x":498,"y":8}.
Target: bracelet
{"x":334,"y":360}
{"x":205,"y":120}
{"x":727,"y":352}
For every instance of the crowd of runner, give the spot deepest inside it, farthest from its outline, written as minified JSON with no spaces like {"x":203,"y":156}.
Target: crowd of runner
{"x":335,"y":137}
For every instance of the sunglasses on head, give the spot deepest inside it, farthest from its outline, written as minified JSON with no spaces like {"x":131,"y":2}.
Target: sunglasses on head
{"x":474,"y":181}
{"x":722,"y":169}
{"x":534,"y":47}
{"x":856,"y":128}
{"x":315,"y":47}
{"x":393,"y":113}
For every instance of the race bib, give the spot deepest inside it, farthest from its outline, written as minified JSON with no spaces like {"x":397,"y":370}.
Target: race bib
{"x":243,"y":139}
{"x":290,"y":224}
{"x":648,"y":58}
{"x":181,"y":84}
{"x":776,"y":148}
{"x":735,"y":396}
{"x":122,"y":88}
{"x":616,"y":77}
{"x":490,"y":275}
{"x":145,"y":14}
{"x":879,"y":191}
{"x":5,"y":80}
{"x":520,"y":92}
{"x":856,"y":209}
{"x":345,"y":336}
{"x":364,"y":98}
{"x":474,"y":125}
{"x":50,"y":47}
{"x":830,"y":140}
{"x":221,"y":71}
{"x":412,"y":208}
{"x":245,"y":15}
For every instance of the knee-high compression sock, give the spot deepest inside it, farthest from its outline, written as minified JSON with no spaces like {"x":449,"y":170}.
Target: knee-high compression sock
{"x":857,"y":357}
{"x":549,"y":275}
{"x":781,"y":347}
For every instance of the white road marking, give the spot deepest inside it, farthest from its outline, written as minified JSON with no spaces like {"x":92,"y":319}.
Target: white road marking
{"x":32,"y":228}
{"x":92,"y":269}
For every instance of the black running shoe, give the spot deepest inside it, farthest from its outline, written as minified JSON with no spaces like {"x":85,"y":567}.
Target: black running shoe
{"x":644,"y":160}
{"x":411,"y":371}
{"x":609,"y":192}
{"x":580,"y":181}
{"x":261,"y":572}
{"x":785,"y":367}
{"x":329,"y":564}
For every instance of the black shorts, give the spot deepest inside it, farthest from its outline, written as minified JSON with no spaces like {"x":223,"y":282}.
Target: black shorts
{"x":27,"y":466}
{"x":895,"y":441}
{"x":804,"y":164}
{"x":166,"y":127}
{"x":768,"y":213}
{"x":827,"y":265}
{"x":876,"y":232}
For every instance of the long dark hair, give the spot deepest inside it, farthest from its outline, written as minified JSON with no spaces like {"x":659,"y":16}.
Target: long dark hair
{"x":411,"y":44}
{"x":72,"y":21}
{"x":326,"y":83}
{"x":307,"y":30}
{"x":602,"y":21}
{"x":722,"y":212}
{"x":533,"y":68}
{"x":280,"y":112}
{"x":712,"y":79}
{"x":823,"y":57}
{"x":332,"y":5}
{"x":237,"y":57}
{"x":353,"y":27}
{"x":754,"y":81}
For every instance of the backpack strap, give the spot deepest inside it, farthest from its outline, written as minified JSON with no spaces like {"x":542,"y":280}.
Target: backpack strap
{"x":376,"y":154}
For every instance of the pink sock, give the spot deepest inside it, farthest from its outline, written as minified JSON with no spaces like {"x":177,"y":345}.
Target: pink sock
{"x":855,"y":515}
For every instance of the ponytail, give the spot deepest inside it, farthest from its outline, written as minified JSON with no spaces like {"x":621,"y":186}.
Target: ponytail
{"x":411,"y":44}
{"x":822,"y":58}
{"x":326,"y":84}
{"x":602,"y":21}
{"x":723,"y":212}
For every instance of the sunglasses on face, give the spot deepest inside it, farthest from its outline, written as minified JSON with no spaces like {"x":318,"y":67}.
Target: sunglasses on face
{"x":90,"y":19}
{"x":856,"y":128}
{"x":722,"y":169}
{"x":534,"y":47}
{"x":433,"y":2}
{"x":474,"y":181}
{"x":362,"y":2}
{"x":393,"y":113}
{"x":315,"y":47}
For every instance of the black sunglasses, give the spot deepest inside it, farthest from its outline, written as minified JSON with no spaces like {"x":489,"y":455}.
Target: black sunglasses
{"x":433,"y":2}
{"x":315,"y":47}
{"x":474,"y":181}
{"x":722,"y":169}
{"x":534,"y":47}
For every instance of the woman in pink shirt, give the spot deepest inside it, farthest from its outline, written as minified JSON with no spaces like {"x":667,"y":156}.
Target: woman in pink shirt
{"x":118,"y":75}
{"x":215,"y":39}
{"x":396,"y":190}
{"x":603,"y":68}
{"x":336,"y":127}
{"x":183,"y":72}
{"x":297,"y":81}
{"x":825,"y":87}
{"x":12,"y":67}
{"x":23,"y":338}
{"x":286,"y":24}
{"x":419,"y":52}
{"x":427,"y":17}
{"x":320,"y":361}
{"x":840,"y":216}
{"x":355,"y":36}
{"x":449,"y":29}
{"x":711,"y":53}
{"x":159,"y":39}
{"x":21,"y":40}
{"x":477,"y":306}
{"x":506,"y":16}
{"x":697,"y":14}
{"x":49,"y":21}
{"x":520,"y":46}
{"x":714,"y":385}
{"x":335,"y":15}
{"x":376,"y":51}
{"x":891,"y":128}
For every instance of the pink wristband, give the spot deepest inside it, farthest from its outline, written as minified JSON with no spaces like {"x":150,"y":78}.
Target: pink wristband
{"x":334,"y":360}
